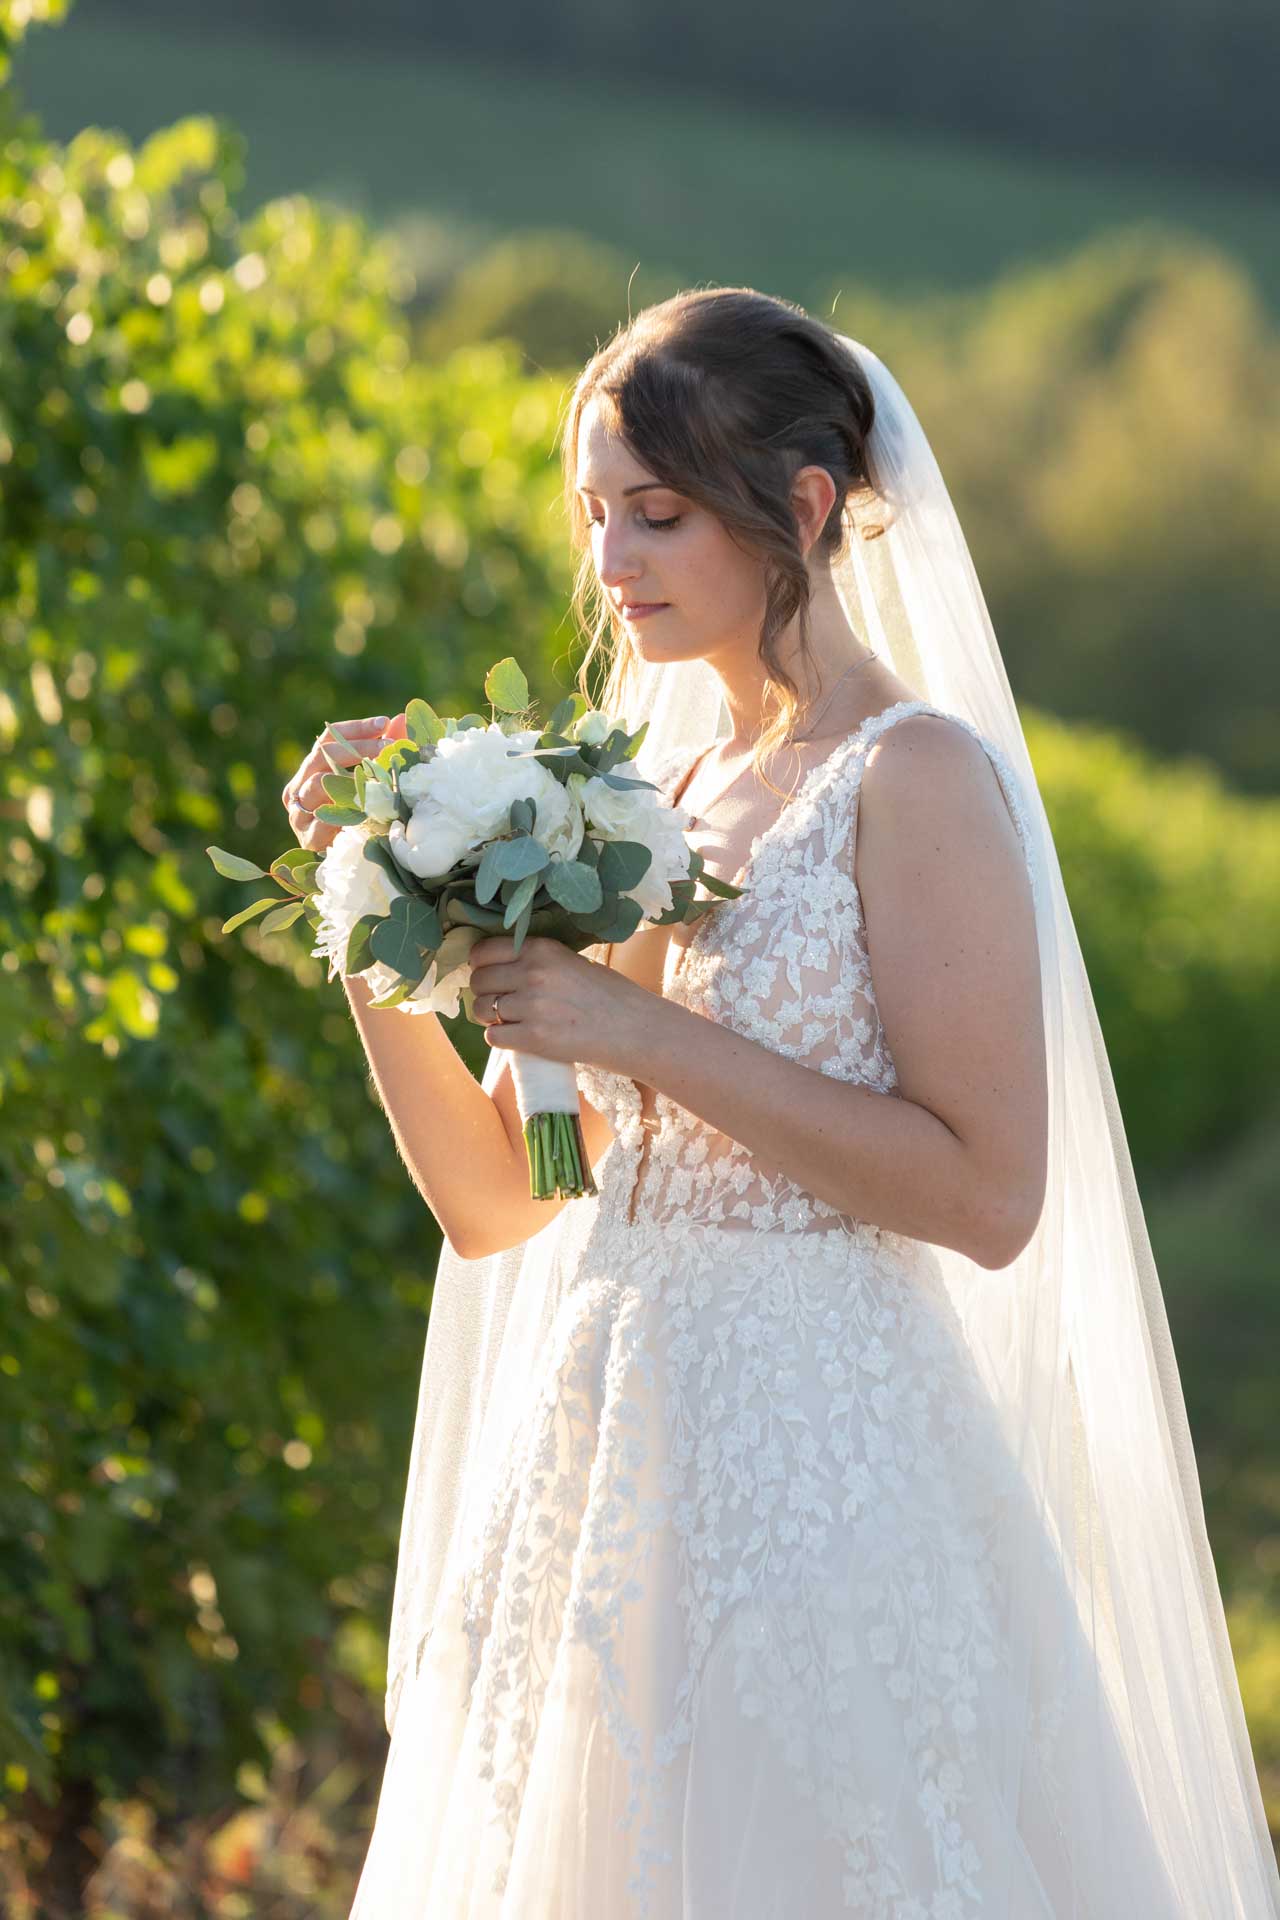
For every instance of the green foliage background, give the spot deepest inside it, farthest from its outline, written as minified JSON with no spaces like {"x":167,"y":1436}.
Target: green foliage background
{"x":233,"y":508}
{"x":238,"y":498}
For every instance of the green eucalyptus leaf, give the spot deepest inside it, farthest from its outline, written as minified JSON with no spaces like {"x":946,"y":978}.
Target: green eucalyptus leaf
{"x":407,"y":938}
{"x":295,"y":857}
{"x":401,"y":991}
{"x":282,"y":917}
{"x":508,"y":860}
{"x":424,"y":723}
{"x":574,"y":885}
{"x":359,"y":953}
{"x":623,"y":864}
{"x":615,"y":922}
{"x":521,"y":896}
{"x":506,"y":687}
{"x":395,"y":752}
{"x":620,"y":781}
{"x":725,"y":889}
{"x":378,"y":849}
{"x":233,"y":867}
{"x":520,"y":927}
{"x":249,"y":913}
{"x":340,"y":816}
{"x":612,"y":749}
{"x":489,"y":919}
{"x":296,"y":870}
{"x":340,"y":787}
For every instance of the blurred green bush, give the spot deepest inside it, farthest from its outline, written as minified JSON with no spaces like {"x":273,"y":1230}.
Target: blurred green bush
{"x":233,"y":508}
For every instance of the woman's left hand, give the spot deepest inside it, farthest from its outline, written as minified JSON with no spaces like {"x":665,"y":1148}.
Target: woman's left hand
{"x":557,"y":1003}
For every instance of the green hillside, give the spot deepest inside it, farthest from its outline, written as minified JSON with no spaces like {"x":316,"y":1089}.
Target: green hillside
{"x":683,"y":185}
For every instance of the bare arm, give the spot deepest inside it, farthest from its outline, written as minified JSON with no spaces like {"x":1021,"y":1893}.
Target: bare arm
{"x":956,"y":1156}
{"x":464,"y":1149}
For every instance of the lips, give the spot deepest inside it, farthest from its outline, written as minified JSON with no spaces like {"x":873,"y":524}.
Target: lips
{"x":630,"y":607}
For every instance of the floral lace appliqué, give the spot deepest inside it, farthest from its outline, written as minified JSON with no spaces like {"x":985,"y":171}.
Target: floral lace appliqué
{"x":762,"y":1409}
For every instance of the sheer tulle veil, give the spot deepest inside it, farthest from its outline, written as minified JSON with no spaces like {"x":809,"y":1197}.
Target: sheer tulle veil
{"x":1127,"y":1703}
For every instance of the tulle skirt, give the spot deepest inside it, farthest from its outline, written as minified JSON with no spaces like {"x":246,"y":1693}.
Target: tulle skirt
{"x":757,"y":1623}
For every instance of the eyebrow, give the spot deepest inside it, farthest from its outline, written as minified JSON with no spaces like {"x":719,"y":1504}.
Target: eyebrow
{"x":645,"y":486}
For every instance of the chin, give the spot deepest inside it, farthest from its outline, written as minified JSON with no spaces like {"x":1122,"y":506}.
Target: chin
{"x":661,"y":651}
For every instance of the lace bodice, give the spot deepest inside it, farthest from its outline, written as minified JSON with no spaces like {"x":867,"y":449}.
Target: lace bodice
{"x":786,"y":965}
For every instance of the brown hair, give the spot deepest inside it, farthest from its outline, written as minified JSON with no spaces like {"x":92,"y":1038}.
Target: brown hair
{"x":724,"y":394}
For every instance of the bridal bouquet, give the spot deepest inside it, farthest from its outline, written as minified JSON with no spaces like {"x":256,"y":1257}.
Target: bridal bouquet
{"x":467,"y":828}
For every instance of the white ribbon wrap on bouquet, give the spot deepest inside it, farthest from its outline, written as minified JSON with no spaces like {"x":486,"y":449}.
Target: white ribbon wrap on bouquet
{"x":543,"y":1086}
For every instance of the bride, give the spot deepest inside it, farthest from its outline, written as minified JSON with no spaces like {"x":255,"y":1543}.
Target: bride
{"x":806,"y":1523}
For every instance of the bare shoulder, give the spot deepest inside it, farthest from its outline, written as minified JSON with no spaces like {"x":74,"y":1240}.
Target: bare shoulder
{"x":951,"y":937}
{"x":929,"y":779}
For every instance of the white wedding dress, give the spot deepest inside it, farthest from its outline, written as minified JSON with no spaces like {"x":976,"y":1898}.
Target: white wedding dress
{"x":726,"y":1643}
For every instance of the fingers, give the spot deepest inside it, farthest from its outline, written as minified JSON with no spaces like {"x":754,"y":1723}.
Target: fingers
{"x":499,"y":978}
{"x":365,"y":738}
{"x":487,"y":1013}
{"x":498,"y":946}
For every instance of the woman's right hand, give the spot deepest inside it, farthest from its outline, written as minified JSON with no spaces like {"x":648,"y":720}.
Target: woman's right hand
{"x":305,"y":791}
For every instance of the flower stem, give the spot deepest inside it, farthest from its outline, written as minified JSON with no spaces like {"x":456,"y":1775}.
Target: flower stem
{"x":557,"y":1155}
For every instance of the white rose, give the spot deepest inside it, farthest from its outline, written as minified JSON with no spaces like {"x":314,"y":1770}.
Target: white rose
{"x":593,"y":728}
{"x":640,"y":813}
{"x":462,"y":798}
{"x":379,"y":802}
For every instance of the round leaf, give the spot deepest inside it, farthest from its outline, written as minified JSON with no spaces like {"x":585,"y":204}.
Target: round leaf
{"x":424,"y":723}
{"x":576,"y":887}
{"x":623,"y":864}
{"x":506,"y":687}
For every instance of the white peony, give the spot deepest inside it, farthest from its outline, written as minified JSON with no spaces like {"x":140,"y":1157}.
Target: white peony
{"x":432,"y":841}
{"x":640,"y":813}
{"x":347,"y":888}
{"x":461,"y":798}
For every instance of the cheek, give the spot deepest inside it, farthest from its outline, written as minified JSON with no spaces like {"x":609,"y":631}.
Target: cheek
{"x":729,"y":584}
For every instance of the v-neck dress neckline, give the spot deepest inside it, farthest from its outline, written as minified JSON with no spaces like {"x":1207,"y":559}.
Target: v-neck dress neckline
{"x":808,"y":785}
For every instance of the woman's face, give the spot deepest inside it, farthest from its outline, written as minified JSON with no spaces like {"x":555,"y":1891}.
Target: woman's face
{"x":651,"y":545}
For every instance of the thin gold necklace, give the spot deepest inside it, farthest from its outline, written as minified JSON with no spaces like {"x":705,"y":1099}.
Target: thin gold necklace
{"x":806,"y":735}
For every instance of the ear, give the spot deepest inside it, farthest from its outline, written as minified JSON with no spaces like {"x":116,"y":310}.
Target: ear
{"x":813,"y":494}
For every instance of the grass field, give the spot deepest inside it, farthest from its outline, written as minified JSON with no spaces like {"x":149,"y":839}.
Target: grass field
{"x":683,"y":185}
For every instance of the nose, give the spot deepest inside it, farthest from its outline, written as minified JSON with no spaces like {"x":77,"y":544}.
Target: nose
{"x":615,"y":562}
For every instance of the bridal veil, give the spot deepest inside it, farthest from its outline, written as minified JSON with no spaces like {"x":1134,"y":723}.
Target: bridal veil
{"x":1108,"y":1564}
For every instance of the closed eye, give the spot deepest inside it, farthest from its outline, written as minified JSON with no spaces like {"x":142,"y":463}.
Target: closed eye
{"x":654,"y":526}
